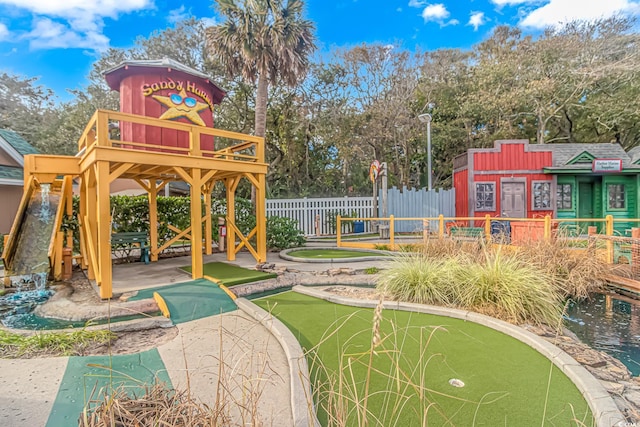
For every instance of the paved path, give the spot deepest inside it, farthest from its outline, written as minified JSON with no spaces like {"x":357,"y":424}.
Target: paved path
{"x":51,"y":391}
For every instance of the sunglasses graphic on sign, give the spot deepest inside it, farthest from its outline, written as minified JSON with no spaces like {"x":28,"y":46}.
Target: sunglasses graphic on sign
{"x":177,"y":100}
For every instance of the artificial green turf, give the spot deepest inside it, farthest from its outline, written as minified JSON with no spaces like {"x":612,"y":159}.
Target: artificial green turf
{"x":99,"y":375}
{"x":231,"y":275}
{"x":330,"y":253}
{"x":505,"y":380}
{"x":191,"y":300}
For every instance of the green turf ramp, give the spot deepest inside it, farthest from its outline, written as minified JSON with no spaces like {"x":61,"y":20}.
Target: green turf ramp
{"x":132,"y":371}
{"x":191,"y":300}
{"x":231,"y":275}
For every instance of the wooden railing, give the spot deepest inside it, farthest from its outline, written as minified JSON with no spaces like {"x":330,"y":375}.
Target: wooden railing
{"x":96,"y":134}
{"x":544,"y":228}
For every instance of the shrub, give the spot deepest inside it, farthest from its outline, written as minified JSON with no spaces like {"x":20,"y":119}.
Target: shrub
{"x":283,"y":233}
{"x":419,"y":279}
{"x":496,"y":284}
{"x":509,"y":288}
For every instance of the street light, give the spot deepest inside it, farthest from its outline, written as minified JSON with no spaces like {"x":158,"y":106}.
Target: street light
{"x":426,"y":118}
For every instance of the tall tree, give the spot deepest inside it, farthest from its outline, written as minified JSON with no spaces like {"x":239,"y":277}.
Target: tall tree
{"x":264,"y":41}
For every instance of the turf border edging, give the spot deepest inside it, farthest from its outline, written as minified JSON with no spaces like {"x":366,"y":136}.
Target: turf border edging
{"x":604,"y":409}
{"x":374,"y":255}
{"x":303,"y":410}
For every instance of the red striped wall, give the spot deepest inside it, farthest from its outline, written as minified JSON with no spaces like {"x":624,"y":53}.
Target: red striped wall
{"x":460,"y":183}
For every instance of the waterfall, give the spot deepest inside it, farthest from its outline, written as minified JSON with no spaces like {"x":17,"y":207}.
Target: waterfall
{"x":45,"y":208}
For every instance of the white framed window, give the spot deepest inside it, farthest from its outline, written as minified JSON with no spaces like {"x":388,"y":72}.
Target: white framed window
{"x":564,"y":196}
{"x":616,"y":196}
{"x":541,"y":194}
{"x":485,"y":196}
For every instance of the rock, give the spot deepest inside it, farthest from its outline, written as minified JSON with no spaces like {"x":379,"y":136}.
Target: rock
{"x":633,"y":397}
{"x":126,"y":295}
{"x":615,"y":388}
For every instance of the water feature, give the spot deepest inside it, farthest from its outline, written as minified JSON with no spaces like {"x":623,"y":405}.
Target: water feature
{"x":609,"y":323}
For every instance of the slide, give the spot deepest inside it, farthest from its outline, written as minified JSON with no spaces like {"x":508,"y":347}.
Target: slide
{"x":26,"y":256}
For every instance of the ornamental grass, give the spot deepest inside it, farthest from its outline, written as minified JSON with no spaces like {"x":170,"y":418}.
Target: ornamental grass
{"x":501,"y":285}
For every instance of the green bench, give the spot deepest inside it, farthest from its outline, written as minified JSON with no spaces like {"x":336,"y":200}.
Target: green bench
{"x":467,"y":232}
{"x":127,"y":241}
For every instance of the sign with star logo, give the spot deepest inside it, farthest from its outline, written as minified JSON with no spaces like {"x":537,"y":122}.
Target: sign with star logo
{"x":181,"y":105}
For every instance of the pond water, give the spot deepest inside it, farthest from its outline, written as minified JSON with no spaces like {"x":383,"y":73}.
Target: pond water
{"x":16,"y":306}
{"x":609,"y":323}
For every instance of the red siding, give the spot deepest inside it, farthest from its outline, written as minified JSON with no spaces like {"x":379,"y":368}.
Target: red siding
{"x":507,"y":160}
{"x":460,"y":183}
{"x":133,"y":101}
{"x":512,"y":157}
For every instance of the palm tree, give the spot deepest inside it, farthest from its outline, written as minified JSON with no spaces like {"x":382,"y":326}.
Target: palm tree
{"x":263,"y":40}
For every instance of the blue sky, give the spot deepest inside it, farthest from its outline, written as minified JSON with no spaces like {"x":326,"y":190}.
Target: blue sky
{"x":57,"y":40}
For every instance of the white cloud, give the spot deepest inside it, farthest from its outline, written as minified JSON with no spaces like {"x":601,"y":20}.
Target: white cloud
{"x":435,"y":12}
{"x":438,"y":13}
{"x":501,"y":3}
{"x":209,"y":22}
{"x":72,"y":23}
{"x":416,"y":3}
{"x":557,"y":11}
{"x":177,"y":15}
{"x":476,"y":20}
{"x":48,"y":34}
{"x":4,"y":31}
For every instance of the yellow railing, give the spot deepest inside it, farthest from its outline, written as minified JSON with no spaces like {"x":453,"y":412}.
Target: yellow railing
{"x":96,"y":133}
{"x":543,"y":228}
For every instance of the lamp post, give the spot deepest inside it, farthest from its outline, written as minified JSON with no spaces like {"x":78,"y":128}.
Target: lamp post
{"x":426,"y":118}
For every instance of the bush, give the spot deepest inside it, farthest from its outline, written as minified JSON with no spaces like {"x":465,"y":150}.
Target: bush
{"x":283,"y":233}
{"x":500,"y":285}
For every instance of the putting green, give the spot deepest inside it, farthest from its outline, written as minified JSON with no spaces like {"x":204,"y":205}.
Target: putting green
{"x":95,"y":374}
{"x":191,"y":300}
{"x":506,"y":381}
{"x":231,"y":275}
{"x":330,"y":253}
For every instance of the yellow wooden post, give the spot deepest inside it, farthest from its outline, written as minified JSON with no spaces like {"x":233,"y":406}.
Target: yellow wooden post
{"x":487,"y":227}
{"x":90,"y":220}
{"x":103,"y":229}
{"x":261,"y":219}
{"x":547,"y":228}
{"x":208,"y":227}
{"x":82,"y":225}
{"x":440,"y":226}
{"x":102,"y":131}
{"x":196,"y":224}
{"x":338,"y":229}
{"x":391,"y":232}
{"x":609,"y":232}
{"x":153,"y":219}
{"x":57,"y":261}
{"x":231,"y":218}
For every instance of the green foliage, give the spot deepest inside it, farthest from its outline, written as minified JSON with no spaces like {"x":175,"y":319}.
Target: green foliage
{"x":371,"y":270}
{"x":381,"y":247}
{"x":283,"y":233}
{"x":52,"y":343}
{"x":497,"y":284}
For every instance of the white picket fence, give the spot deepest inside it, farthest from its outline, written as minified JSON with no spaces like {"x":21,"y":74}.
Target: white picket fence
{"x":316,"y":216}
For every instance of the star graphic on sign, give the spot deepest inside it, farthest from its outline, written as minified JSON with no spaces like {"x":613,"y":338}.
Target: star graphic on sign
{"x":181,"y":105}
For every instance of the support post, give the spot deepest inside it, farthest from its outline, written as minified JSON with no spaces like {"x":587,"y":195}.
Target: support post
{"x":208,"y":226}
{"x":391,"y":232}
{"x":153,"y":219}
{"x":338,"y":231}
{"x":231,"y":218}
{"x":196,"y":224}
{"x":609,"y":232}
{"x":547,"y":228}
{"x":440,"y":226}
{"x":103,"y":229}
{"x":261,"y":219}
{"x":487,"y":228}
{"x":635,"y":251}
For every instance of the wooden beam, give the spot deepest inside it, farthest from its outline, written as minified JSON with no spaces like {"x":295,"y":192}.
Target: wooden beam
{"x":104,"y":228}
{"x":153,"y":219}
{"x":115,"y":174}
{"x":196,"y":225}
{"x":185,"y":176}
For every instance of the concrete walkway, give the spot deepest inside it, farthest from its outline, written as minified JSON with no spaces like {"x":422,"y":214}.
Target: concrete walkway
{"x":252,"y":363}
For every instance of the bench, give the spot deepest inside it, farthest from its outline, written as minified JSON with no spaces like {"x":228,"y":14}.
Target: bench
{"x":467,"y":232}
{"x":127,"y":241}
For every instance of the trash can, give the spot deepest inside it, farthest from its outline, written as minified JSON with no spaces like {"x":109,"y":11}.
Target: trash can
{"x":501,"y":232}
{"x":358,"y":226}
